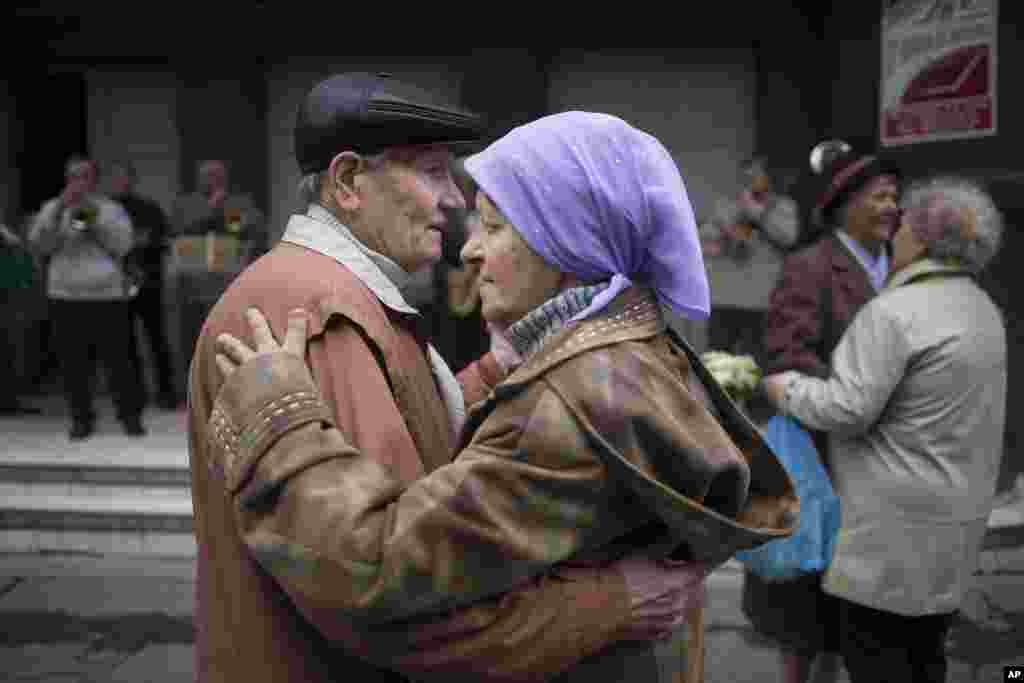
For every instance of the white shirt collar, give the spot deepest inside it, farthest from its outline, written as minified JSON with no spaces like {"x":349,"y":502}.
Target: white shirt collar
{"x":381,"y":275}
{"x":877,"y":268}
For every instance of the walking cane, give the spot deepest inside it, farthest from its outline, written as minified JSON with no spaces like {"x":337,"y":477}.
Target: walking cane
{"x":694,"y":672}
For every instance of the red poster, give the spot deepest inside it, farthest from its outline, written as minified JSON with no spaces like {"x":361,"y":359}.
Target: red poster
{"x":938,"y":70}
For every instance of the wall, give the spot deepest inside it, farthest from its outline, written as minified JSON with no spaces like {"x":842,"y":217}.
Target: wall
{"x":10,"y":136}
{"x":133,"y":116}
{"x":699,"y":103}
{"x":854,"y":94}
{"x":221,"y":114}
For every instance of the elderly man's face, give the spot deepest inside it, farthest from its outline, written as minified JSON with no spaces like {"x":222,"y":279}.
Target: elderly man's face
{"x":402,"y":206}
{"x":513,"y":278}
{"x":82,"y":177}
{"x":872,"y":215}
{"x":213,"y":175}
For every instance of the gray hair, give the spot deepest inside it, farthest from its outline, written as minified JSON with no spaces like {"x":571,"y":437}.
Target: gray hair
{"x":311,"y":184}
{"x":956,"y":219}
{"x":77,"y":160}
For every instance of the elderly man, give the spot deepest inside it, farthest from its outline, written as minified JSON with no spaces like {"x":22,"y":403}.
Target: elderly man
{"x":85,"y":237}
{"x":15,"y":306}
{"x":217,"y":234}
{"x":375,"y":154}
{"x":151,"y":227}
{"x":914,"y":407}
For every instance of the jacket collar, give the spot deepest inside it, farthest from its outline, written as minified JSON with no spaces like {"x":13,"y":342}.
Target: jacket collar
{"x":845,"y":262}
{"x":633,"y":314}
{"x":922,"y":268}
{"x":381,"y":275}
{"x":877,"y":269}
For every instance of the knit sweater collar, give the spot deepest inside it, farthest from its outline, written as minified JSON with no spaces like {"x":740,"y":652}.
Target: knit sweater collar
{"x":528,"y":335}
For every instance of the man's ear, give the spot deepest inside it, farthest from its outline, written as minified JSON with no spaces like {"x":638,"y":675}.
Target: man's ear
{"x":343,"y":171}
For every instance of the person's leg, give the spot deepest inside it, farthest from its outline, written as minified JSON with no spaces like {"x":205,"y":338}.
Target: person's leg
{"x":72,"y":335}
{"x":150,"y":309}
{"x":193,"y":314}
{"x":874,"y":644}
{"x":9,"y":354}
{"x":135,"y":348}
{"x":115,"y":347}
{"x":929,"y":652}
{"x":794,"y":667}
{"x":826,"y":668}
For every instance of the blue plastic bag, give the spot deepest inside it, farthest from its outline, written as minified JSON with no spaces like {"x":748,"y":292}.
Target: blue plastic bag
{"x":809,"y":548}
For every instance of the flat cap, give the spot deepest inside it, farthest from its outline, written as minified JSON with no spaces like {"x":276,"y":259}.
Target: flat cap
{"x":367,"y":113}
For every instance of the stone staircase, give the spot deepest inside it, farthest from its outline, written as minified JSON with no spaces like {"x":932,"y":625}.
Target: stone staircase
{"x":110,"y":494}
{"x":113,"y":494}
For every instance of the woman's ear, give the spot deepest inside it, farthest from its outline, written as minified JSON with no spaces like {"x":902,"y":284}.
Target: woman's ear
{"x":343,"y":171}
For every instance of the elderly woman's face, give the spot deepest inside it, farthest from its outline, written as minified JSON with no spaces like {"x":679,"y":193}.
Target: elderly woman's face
{"x":906,"y":247}
{"x":514,"y":280}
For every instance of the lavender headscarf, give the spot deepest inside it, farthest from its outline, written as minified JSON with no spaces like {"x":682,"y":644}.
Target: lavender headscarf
{"x":600,"y":199}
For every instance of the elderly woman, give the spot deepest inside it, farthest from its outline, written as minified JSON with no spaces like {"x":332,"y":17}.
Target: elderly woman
{"x":914,"y":408}
{"x":606,"y":437}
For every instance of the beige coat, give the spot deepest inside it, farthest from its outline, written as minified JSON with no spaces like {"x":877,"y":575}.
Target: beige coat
{"x":915,"y":407}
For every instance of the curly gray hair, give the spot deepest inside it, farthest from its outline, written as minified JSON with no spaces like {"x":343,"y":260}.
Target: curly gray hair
{"x":955,"y":219}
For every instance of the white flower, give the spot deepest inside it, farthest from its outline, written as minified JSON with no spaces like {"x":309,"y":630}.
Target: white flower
{"x":737,"y":375}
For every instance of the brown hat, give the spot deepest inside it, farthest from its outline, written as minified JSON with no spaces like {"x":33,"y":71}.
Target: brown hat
{"x":368,"y":113}
{"x":846,"y":172}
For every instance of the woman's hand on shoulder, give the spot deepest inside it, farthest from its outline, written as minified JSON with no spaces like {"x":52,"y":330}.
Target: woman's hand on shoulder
{"x":233,"y":352}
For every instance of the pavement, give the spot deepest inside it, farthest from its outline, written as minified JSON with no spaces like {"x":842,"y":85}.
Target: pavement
{"x":86,"y":619}
{"x":119,"y":618}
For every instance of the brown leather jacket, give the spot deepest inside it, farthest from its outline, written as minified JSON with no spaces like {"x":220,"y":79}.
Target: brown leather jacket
{"x":593,"y":449}
{"x":377,"y":386}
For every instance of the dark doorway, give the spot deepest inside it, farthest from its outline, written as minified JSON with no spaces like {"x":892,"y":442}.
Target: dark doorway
{"x":1000,"y":280}
{"x":51,"y":106}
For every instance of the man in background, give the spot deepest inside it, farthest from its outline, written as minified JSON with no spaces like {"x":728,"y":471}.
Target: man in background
{"x":151,"y":228}
{"x":217,"y":233}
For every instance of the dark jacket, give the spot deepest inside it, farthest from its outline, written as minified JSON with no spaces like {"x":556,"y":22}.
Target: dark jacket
{"x":819,"y":291}
{"x":151,"y":231}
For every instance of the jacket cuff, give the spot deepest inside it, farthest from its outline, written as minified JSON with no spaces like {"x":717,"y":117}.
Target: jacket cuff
{"x":261,"y":401}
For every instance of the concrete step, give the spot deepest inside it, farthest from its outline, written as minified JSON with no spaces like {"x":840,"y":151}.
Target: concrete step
{"x":118,"y":520}
{"x":108,"y":495}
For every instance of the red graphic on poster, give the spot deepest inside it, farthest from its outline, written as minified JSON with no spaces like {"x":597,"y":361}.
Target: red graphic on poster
{"x":952,"y":93}
{"x":938,"y":70}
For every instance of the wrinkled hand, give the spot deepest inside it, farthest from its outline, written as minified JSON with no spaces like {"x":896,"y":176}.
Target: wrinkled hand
{"x":506,"y":355}
{"x":660,"y":593}
{"x":774,"y":387}
{"x":750,"y":204}
{"x":234,"y":352}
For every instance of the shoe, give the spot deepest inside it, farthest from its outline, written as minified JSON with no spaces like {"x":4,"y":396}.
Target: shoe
{"x":18,"y":408}
{"x":80,"y":430}
{"x":133,"y":427}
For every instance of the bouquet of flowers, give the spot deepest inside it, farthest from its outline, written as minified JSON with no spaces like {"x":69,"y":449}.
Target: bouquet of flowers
{"x":737,"y":375}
